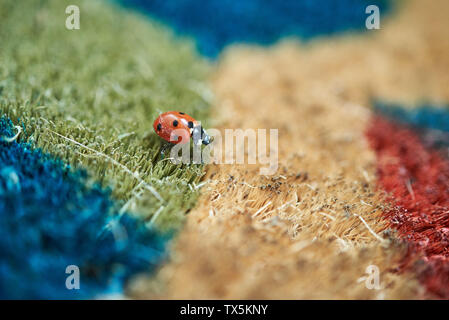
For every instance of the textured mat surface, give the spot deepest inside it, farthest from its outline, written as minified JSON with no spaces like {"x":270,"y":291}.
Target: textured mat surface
{"x":313,"y":229}
{"x":84,"y":170}
{"x":362,"y":119}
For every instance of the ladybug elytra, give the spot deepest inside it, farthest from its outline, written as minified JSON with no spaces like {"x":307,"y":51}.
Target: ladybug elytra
{"x":178,"y":127}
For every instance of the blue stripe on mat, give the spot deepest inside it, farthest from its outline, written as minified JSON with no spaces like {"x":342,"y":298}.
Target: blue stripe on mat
{"x":429,"y":121}
{"x":218,"y":23}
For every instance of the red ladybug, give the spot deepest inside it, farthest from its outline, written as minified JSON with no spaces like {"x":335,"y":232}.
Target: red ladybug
{"x":186,"y":127}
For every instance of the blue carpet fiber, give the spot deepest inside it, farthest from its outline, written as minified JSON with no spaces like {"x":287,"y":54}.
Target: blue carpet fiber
{"x":50,"y":217}
{"x":217,"y":23}
{"x":429,"y":121}
{"x":427,"y":115}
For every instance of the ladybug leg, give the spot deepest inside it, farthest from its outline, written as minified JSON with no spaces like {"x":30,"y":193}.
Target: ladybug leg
{"x":164,"y":148}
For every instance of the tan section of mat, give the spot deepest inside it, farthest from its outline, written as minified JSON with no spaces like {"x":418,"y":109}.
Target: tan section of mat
{"x":312,"y":229}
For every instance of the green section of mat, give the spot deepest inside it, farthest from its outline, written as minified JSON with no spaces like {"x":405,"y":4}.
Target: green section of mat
{"x":90,"y":96}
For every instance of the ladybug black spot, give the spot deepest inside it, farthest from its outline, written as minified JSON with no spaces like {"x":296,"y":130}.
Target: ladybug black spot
{"x":190,"y":124}
{"x":159,"y":127}
{"x":175,"y":123}
{"x":181,"y":113}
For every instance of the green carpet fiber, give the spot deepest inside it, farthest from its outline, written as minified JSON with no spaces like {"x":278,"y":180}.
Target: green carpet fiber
{"x":89,"y":96}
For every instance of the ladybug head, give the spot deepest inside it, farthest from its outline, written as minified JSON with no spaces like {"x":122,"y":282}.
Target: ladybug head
{"x":200,"y":136}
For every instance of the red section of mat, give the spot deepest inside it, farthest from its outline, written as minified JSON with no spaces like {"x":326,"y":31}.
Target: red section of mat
{"x":417,"y":180}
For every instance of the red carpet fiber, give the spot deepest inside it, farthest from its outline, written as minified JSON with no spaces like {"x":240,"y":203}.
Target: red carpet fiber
{"x":417,"y":181}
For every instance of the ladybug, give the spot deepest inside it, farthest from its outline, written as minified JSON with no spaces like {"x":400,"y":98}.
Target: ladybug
{"x":178,"y":127}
